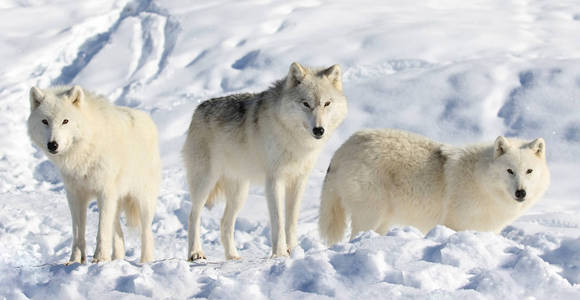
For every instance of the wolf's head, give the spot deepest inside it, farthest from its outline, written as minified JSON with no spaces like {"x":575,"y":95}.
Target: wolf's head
{"x":518,"y":170}
{"x":312,"y":100}
{"x":55,"y":118}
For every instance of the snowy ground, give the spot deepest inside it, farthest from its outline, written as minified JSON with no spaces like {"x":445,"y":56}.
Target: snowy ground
{"x":456,"y":71}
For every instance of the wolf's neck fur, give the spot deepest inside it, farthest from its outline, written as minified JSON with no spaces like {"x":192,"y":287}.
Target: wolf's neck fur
{"x":474,"y":160}
{"x":78,"y":159}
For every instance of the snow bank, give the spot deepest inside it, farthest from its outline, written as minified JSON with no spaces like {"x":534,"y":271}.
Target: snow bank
{"x":456,"y":71}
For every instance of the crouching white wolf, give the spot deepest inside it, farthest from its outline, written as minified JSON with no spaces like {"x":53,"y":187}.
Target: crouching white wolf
{"x":386,"y":177}
{"x":272,"y":137}
{"x":101,"y":151}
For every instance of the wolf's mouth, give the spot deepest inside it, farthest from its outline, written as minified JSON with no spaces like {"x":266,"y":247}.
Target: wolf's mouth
{"x":53,"y":151}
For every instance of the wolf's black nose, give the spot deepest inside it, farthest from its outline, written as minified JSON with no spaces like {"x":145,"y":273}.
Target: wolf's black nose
{"x":520,"y":194}
{"x":52,"y":146}
{"x":318,"y":131}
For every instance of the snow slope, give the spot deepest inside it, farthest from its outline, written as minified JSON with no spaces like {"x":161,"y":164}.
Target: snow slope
{"x":456,"y":71}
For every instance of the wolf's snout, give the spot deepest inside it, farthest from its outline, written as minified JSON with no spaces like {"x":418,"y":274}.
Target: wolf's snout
{"x":318,"y":132}
{"x":52,"y":146}
{"x":520,"y":195}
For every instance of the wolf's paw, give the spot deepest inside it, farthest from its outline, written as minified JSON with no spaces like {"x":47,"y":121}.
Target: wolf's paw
{"x":233,"y":257}
{"x":100,"y":258}
{"x":75,"y":260}
{"x":72,"y":262}
{"x":196,"y":256}
{"x":118,"y":255}
{"x":281,"y":255}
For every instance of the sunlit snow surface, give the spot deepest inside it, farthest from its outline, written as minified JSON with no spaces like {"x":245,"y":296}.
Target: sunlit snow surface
{"x":455,"y":71}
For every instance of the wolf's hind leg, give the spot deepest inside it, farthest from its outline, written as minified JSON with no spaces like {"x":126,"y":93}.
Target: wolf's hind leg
{"x":363,"y":219}
{"x":383,"y":228}
{"x":146,"y":214}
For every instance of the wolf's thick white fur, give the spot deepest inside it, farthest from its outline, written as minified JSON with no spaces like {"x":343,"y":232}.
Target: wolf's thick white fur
{"x":270,"y":138}
{"x":385,"y":177}
{"x":102,"y":151}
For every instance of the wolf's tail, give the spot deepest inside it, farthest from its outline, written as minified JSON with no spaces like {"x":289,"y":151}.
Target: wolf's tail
{"x":132,"y":215}
{"x":214,"y":194}
{"x":332,"y":220}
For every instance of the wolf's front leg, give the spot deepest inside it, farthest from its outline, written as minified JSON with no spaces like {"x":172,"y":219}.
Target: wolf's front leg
{"x":118,"y":239}
{"x":77,"y":203}
{"x":236,"y":194}
{"x":107,"y":203}
{"x":200,"y":184}
{"x":294,"y":191}
{"x":275,"y":191}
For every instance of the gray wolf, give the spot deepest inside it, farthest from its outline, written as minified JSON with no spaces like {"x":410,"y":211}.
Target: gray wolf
{"x":102,"y":151}
{"x":271,"y":138}
{"x":386,"y":177}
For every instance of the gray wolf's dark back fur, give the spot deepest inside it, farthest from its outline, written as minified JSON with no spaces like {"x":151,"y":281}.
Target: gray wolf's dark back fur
{"x":234,"y":110}
{"x":231,"y":109}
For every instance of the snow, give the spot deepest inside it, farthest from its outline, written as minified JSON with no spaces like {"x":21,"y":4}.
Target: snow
{"x":455,"y":71}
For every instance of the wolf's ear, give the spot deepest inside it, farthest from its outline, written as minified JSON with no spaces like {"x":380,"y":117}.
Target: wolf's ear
{"x":539,"y":147}
{"x":295,"y":75}
{"x":36,"y":97}
{"x":334,"y":75}
{"x":76,"y":95}
{"x":501,"y":146}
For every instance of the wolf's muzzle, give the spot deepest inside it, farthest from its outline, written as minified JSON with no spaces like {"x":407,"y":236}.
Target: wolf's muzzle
{"x":318,"y":132}
{"x":520,"y":195}
{"x":52,"y":147}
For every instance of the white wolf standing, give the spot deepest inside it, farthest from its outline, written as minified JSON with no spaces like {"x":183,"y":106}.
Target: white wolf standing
{"x":386,"y":177}
{"x":101,"y":151}
{"x":272,"y":137}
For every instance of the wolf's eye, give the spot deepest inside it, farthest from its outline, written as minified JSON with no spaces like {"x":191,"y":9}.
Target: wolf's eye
{"x":529,"y":171}
{"x":327,"y":103}
{"x":45,"y":122}
{"x":65,"y":121}
{"x":510,"y":171}
{"x":306,"y":104}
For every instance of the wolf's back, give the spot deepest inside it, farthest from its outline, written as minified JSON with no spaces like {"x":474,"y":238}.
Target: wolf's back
{"x":228,"y":110}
